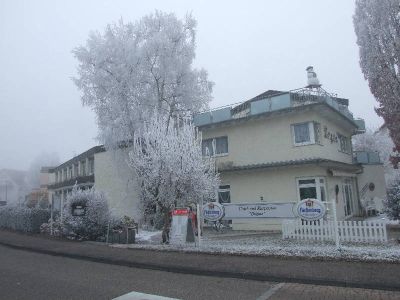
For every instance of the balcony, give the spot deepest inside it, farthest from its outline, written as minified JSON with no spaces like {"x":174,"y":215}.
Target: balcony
{"x":71,"y":182}
{"x":366,"y":158}
{"x":277,"y":101}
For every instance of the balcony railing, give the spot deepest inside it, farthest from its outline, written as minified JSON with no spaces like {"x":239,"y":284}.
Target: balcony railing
{"x":72,"y":181}
{"x":366,"y":157}
{"x":277,"y":102}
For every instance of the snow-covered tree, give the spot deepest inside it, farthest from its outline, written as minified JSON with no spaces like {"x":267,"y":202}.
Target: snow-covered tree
{"x":378,"y":141}
{"x":392,"y":204}
{"x":377,"y":26}
{"x":135,"y":68}
{"x":93,"y":221}
{"x":170,"y":166}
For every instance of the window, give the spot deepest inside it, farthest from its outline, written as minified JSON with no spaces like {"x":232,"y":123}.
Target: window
{"x":215,"y":146}
{"x":91,"y":165}
{"x":70,"y":172}
{"x":313,"y":187}
{"x":83,"y":168}
{"x":224,"y":194}
{"x":306,"y":133}
{"x":76,"y":166}
{"x":344,"y":144}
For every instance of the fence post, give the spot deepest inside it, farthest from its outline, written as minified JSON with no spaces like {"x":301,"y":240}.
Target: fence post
{"x":336,"y":227}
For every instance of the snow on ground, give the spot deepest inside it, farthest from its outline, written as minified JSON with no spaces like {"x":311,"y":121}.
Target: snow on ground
{"x":382,"y":218}
{"x":272,"y":244}
{"x":148,"y":237}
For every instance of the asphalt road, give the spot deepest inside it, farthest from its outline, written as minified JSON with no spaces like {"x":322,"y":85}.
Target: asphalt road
{"x":28,"y":275}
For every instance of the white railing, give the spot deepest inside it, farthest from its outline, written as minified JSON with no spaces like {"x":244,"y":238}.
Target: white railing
{"x":349,"y":231}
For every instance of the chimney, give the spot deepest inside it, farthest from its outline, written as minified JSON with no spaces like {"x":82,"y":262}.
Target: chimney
{"x":312,"y":79}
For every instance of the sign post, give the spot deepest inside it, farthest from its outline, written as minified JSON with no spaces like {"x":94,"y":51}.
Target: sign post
{"x":179,"y":225}
{"x":199,"y":215}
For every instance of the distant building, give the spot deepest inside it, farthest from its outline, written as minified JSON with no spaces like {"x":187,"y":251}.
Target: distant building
{"x":13,"y":186}
{"x":95,"y":168}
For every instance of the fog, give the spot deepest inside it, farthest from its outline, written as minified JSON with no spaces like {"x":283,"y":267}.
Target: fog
{"x":246,"y":46}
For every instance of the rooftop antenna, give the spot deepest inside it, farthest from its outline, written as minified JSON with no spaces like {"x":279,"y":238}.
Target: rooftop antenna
{"x":312,"y":79}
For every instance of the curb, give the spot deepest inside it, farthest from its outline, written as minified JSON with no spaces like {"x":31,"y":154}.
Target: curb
{"x":201,"y":272}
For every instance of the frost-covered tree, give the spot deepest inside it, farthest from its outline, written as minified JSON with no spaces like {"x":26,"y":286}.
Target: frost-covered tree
{"x":377,"y":26}
{"x":135,"y":68}
{"x":170,"y":166}
{"x":93,"y":222}
{"x":392,"y":204}
{"x":378,"y":141}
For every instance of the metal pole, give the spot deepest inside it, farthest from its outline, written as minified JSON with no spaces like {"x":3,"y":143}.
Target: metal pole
{"x":198,"y":224}
{"x":51,"y":215}
{"x":337,"y":241}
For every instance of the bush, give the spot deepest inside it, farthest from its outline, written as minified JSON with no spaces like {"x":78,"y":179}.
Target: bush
{"x":86,"y":216}
{"x":392,"y":204}
{"x":23,"y":219}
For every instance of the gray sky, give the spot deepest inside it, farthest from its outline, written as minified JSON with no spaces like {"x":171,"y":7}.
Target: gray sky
{"x":246,"y":46}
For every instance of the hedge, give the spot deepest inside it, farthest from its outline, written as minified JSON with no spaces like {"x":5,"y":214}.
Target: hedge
{"x":23,"y":219}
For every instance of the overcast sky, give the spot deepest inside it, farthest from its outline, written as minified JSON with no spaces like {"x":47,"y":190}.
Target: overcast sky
{"x":246,"y":46}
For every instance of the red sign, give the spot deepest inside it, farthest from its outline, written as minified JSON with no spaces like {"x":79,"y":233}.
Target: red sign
{"x":180,"y":212}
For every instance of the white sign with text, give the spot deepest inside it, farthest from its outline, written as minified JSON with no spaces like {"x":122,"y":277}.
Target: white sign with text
{"x":259,"y":210}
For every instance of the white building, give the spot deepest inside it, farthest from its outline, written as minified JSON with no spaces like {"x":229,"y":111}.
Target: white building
{"x":287,"y":146}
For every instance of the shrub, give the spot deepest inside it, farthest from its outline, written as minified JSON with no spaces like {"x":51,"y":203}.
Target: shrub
{"x":93,"y":222}
{"x":23,"y":218}
{"x":392,"y":204}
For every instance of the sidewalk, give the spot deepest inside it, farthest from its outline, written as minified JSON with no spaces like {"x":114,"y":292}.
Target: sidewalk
{"x":341,"y":273}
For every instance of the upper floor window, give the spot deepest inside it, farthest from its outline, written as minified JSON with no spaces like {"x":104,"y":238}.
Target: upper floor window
{"x":344,"y":143}
{"x":306,"y":133}
{"x":215,"y":146}
{"x":76,"y":166}
{"x":91,"y":166}
{"x":83,"y":168}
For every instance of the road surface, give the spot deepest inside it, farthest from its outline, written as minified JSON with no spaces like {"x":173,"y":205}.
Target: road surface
{"x":28,"y":275}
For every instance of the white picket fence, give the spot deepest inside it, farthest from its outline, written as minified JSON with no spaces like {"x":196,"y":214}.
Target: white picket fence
{"x":349,"y":231}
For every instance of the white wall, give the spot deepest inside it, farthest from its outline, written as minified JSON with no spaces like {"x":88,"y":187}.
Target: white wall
{"x":373,"y":174}
{"x":114,"y":178}
{"x":277,"y":185}
{"x":270,"y":139}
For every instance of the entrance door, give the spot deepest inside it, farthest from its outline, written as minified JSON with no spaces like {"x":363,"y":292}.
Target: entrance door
{"x":347,"y":191}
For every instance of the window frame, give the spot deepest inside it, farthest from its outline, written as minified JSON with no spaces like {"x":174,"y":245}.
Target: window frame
{"x":347,"y":140}
{"x":214,"y":146}
{"x":318,"y":185}
{"x":224,"y":188}
{"x":311,"y":133}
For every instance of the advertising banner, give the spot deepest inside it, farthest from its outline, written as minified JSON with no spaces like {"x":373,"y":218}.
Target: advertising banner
{"x":179,"y":226}
{"x":259,"y":210}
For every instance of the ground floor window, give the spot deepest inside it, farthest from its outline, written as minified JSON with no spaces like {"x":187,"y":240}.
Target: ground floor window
{"x":347,"y":191}
{"x":311,"y":187}
{"x":224,"y":194}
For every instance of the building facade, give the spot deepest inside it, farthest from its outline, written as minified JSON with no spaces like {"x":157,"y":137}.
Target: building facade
{"x":284,"y":147}
{"x":102,"y":170}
